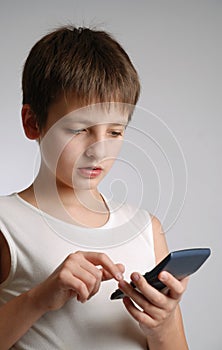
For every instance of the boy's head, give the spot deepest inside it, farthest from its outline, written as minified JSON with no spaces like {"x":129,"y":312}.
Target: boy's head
{"x":86,"y":64}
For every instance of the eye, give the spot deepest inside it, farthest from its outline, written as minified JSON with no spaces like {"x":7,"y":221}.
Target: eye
{"x":116,"y":133}
{"x":77,"y":131}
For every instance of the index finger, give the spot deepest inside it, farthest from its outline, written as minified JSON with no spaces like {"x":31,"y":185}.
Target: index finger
{"x":102,"y":259}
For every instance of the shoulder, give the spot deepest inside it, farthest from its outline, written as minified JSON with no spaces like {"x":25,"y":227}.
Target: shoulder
{"x":8,"y":204}
{"x":6,"y":208}
{"x":6,"y":242}
{"x":159,"y":238}
{"x":4,"y":199}
{"x":5,"y":259}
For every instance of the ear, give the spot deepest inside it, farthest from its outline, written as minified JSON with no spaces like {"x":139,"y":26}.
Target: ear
{"x":29,"y":123}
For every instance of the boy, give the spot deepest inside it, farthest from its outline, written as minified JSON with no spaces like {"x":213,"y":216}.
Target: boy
{"x":60,"y":238}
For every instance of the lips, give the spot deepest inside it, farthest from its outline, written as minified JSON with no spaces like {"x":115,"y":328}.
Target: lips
{"x":90,"y":172}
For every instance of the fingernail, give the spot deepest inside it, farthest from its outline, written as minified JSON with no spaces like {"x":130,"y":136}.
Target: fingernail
{"x":135,"y":277}
{"x":163,"y":276}
{"x":119,"y":276}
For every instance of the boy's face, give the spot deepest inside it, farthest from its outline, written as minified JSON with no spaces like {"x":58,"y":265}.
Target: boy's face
{"x":80,"y":145}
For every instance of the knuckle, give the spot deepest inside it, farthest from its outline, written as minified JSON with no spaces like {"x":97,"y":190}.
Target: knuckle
{"x":75,"y":257}
{"x":164,"y":316}
{"x":98,"y":274}
{"x":70,"y":258}
{"x":78,"y":255}
{"x":142,"y":318}
{"x":95,"y":290}
{"x":169,"y":307}
{"x":68,"y":264}
{"x":62,"y":277}
{"x":91,"y":281}
{"x":180,"y":290}
{"x":154,"y":324}
{"x":82,"y":290}
{"x":103,"y":257}
{"x":157,"y":299}
{"x":78,"y":252}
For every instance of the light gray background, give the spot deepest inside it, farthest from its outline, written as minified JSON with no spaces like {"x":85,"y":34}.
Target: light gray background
{"x":176,"y":48}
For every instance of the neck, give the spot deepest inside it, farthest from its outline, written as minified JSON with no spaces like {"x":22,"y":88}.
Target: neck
{"x":58,"y":199}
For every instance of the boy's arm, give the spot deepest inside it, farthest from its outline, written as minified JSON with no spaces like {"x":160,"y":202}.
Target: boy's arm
{"x":17,"y":316}
{"x":77,"y":276}
{"x":174,"y":336}
{"x":5,"y":261}
{"x":159,"y":314}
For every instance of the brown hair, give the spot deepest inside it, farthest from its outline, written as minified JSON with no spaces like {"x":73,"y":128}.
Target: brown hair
{"x":88,"y":63}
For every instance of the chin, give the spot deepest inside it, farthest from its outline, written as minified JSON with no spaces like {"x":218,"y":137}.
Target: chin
{"x":85,"y":185}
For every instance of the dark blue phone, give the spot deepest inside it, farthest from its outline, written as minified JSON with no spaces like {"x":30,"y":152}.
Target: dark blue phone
{"x":180,"y":263}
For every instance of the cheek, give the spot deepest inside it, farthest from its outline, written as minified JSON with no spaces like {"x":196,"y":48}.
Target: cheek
{"x":69,"y":157}
{"x":108,"y":163}
{"x":55,"y":147}
{"x":113,"y":148}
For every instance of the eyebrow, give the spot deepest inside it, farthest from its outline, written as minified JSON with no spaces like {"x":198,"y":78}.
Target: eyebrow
{"x":90,"y":122}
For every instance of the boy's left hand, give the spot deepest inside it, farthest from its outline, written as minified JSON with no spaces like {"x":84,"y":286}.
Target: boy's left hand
{"x":156,"y":308}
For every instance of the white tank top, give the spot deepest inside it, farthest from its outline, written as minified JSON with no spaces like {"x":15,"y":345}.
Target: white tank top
{"x":39,"y":243}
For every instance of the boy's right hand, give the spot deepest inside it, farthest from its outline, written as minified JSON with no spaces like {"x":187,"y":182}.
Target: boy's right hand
{"x":80,"y":275}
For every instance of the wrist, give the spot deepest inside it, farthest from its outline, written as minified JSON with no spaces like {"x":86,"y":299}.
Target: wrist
{"x":168,"y":335}
{"x":36,"y":301}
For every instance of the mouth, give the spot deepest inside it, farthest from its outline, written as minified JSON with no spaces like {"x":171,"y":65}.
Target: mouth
{"x":90,"y":172}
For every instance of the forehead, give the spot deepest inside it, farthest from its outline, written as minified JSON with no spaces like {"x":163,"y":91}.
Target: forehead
{"x":96,"y":114}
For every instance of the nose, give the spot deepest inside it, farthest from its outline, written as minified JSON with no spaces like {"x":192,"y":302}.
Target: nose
{"x":97,"y":150}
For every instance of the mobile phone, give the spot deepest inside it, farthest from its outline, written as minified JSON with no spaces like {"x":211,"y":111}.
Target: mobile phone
{"x":180,"y":263}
